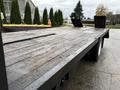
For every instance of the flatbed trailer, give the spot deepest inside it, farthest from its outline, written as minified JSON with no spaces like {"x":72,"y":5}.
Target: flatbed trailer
{"x":43,"y":59}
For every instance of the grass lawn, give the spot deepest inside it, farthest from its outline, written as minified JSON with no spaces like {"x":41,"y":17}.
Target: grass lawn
{"x":117,"y":26}
{"x":71,"y":25}
{"x":66,"y":24}
{"x":90,"y":25}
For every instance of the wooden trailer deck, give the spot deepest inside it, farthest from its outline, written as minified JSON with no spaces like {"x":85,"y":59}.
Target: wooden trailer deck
{"x":34,"y":57}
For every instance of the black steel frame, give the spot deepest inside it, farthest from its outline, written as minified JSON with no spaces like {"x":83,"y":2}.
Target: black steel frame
{"x":3,"y":75}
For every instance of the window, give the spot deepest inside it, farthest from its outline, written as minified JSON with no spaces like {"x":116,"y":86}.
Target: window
{"x":7,"y":5}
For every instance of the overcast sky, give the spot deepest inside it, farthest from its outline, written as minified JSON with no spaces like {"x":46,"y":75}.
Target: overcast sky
{"x":67,"y":6}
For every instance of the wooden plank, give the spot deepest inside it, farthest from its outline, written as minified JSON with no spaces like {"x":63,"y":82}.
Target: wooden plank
{"x":49,"y":58}
{"x":45,"y":51}
{"x":25,"y":38}
{"x":8,"y":37}
{"x":24,"y":44}
{"x":49,"y":79}
{"x":25,"y":52}
{"x":38,"y":72}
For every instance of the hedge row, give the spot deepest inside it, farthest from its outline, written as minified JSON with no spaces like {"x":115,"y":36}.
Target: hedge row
{"x":56,"y":17}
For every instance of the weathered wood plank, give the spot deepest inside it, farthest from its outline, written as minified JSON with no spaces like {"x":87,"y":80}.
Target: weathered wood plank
{"x":48,"y":51}
{"x":27,"y":51}
{"x":38,"y":72}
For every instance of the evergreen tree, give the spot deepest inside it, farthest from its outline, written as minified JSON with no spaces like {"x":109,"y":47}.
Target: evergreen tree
{"x":78,"y":10}
{"x":28,"y":17}
{"x":60,"y":17}
{"x":45,"y":17}
{"x":15,"y":17}
{"x":56,"y":18}
{"x":51,"y":16}
{"x":36,"y":17}
{"x":2,"y":9}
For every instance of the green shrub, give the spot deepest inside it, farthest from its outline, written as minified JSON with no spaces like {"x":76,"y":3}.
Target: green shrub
{"x":15,"y":17}
{"x":45,"y":17}
{"x":36,"y":17}
{"x":60,"y":17}
{"x":51,"y":16}
{"x":56,"y":19}
{"x":27,"y":17}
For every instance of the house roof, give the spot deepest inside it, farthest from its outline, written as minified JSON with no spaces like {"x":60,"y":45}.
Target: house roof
{"x":32,"y":3}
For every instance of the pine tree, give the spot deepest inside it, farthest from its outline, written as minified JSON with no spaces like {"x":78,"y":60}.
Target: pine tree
{"x":51,"y":16}
{"x":36,"y":16}
{"x":28,"y":17}
{"x":15,"y":17}
{"x":78,"y":10}
{"x":45,"y":17}
{"x":2,"y":9}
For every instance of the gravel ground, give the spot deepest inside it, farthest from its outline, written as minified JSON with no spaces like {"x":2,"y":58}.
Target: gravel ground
{"x":102,"y":75}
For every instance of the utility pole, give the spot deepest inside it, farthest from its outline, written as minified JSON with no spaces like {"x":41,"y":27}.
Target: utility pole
{"x":3,"y":75}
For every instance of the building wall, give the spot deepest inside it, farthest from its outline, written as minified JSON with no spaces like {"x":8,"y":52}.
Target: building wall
{"x":22,"y":3}
{"x":7,"y":5}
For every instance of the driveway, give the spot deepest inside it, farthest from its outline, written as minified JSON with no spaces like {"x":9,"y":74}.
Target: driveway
{"x":102,"y":75}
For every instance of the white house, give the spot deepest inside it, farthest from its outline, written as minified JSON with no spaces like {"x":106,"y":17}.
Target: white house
{"x":22,"y":3}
